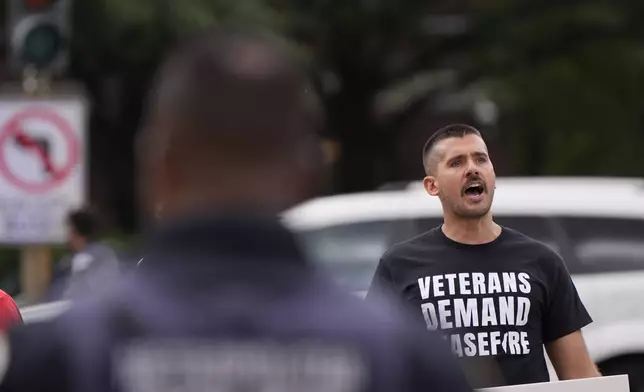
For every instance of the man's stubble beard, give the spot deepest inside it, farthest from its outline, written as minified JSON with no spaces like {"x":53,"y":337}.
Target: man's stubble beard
{"x":464,"y":213}
{"x":471,"y":215}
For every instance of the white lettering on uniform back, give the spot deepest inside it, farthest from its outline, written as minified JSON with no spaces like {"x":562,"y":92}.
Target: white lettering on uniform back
{"x":157,"y":366}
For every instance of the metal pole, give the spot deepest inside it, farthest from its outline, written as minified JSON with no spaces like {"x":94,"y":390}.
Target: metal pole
{"x":35,"y":260}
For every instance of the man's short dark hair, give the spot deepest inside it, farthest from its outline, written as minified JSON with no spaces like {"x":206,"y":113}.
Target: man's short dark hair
{"x":84,"y":222}
{"x":447,"y":132}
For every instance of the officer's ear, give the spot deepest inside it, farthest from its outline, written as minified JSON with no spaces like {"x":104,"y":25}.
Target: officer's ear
{"x":158,"y":210}
{"x":310,"y":160}
{"x":301,"y":173}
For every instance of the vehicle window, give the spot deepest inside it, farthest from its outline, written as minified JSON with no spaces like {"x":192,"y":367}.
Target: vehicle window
{"x":426,"y":224}
{"x":603,"y":244}
{"x":534,"y":227}
{"x":350,"y":253}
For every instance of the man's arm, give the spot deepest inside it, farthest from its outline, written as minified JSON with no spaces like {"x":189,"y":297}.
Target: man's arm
{"x":564,"y":318}
{"x":570,"y":357}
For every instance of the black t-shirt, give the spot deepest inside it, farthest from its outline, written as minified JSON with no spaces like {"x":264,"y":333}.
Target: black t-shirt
{"x":501,"y":300}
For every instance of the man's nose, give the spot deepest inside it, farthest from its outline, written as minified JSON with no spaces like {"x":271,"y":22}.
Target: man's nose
{"x":472,"y":169}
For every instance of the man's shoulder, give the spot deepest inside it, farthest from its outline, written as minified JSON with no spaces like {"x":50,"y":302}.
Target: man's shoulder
{"x":543,"y":254}
{"x":539,"y":248}
{"x":348,"y":312}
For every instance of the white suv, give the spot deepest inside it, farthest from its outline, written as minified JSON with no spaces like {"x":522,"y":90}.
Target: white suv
{"x":596,"y":224}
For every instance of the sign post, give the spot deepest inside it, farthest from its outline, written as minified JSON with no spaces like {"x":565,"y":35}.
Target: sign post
{"x":42,"y":175}
{"x":35,"y":271}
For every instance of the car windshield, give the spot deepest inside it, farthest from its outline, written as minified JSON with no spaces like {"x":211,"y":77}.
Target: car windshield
{"x":349,"y":253}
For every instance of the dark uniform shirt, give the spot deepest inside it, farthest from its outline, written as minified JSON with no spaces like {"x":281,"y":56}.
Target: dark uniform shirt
{"x":227,"y":304}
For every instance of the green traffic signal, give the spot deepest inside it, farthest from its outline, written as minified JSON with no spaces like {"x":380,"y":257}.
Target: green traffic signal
{"x":41,"y":45}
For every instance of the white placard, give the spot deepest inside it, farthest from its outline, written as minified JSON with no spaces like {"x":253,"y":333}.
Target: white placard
{"x":598,"y":384}
{"x":43,"y":165}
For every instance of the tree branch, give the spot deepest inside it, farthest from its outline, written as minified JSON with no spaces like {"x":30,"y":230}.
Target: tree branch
{"x":411,"y":110}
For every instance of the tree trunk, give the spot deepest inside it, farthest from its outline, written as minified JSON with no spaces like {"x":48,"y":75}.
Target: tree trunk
{"x":352,"y":121}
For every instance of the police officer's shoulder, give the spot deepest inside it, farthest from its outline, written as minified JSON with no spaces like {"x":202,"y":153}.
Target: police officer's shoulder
{"x":425,"y":357}
{"x":431,"y":362}
{"x":381,"y":315}
{"x":98,"y":307}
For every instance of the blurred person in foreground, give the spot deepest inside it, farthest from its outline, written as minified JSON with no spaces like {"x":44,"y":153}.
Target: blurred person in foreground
{"x":492,"y":291}
{"x":224,"y":299}
{"x":91,"y":266}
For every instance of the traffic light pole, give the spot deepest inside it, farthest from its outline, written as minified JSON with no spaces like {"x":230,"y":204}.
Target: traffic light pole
{"x":36,"y":264}
{"x":38,"y":34}
{"x":35,"y":83}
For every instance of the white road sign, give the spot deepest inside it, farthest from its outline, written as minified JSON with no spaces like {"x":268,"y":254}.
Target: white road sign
{"x":597,"y":384}
{"x":42,"y":166}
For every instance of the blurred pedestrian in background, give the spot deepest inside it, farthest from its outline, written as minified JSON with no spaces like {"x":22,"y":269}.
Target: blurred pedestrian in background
{"x":225,"y":299}
{"x":92,"y":264}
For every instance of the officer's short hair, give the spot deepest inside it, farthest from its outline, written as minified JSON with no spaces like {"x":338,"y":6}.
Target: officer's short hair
{"x":239,"y":87}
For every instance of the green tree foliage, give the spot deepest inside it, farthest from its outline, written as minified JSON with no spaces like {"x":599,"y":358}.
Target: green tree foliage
{"x":568,"y":77}
{"x":376,"y":64}
{"x":365,"y":48}
{"x":570,"y":80}
{"x":126,"y":34}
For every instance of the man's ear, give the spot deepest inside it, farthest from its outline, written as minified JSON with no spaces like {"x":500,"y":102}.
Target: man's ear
{"x":431,"y":185}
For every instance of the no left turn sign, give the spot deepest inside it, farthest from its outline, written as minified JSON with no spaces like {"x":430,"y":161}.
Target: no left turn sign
{"x":38,"y":150}
{"x":43,"y":163}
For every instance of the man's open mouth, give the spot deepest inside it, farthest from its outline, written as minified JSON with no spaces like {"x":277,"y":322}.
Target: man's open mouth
{"x":475,"y":189}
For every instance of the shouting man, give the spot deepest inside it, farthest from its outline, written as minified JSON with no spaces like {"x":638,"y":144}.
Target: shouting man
{"x":496,"y":294}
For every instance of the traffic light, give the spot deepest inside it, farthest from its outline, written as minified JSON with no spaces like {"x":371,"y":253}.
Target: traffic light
{"x":39,"y":32}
